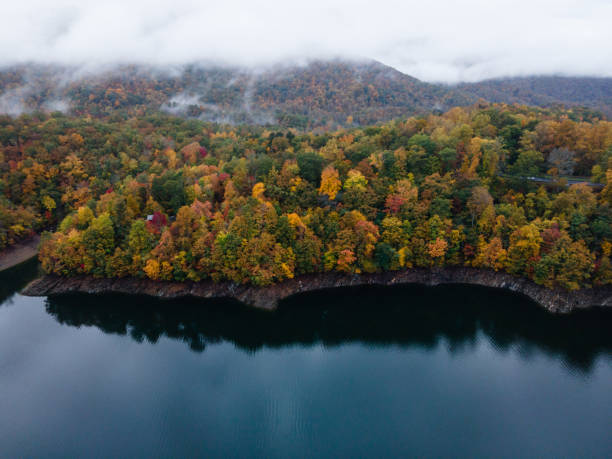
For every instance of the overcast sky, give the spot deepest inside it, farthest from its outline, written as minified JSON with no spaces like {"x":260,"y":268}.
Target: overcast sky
{"x":434,"y":40}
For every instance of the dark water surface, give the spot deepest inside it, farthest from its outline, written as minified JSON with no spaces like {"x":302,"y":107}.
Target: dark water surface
{"x":450,"y":371}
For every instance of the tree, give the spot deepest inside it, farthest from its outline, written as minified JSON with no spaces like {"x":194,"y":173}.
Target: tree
{"x":394,"y":232}
{"x":449,"y":157}
{"x":403,"y":199}
{"x":386,"y":257}
{"x":263,"y":261}
{"x":169,"y":191}
{"x":258,"y":191}
{"x":437,"y":250}
{"x":562,"y":159}
{"x":355,"y":181}
{"x":152,"y":269}
{"x":48,"y":203}
{"x":479,"y":200}
{"x":99,"y":244}
{"x":330,"y":182}
{"x":491,"y":255}
{"x":568,"y":264}
{"x":83,"y":218}
{"x":524,"y":250}
{"x":311,"y":166}
{"x":528,"y":163}
{"x":140,"y":240}
{"x":346,"y":258}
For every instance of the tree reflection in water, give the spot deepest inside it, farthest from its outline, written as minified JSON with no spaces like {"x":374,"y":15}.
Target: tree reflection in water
{"x":14,"y":279}
{"x":376,"y":316}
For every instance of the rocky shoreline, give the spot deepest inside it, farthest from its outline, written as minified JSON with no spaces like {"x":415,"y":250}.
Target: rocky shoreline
{"x":554,"y":300}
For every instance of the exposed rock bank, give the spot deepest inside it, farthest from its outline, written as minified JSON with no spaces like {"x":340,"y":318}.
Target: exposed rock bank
{"x":557,"y":300}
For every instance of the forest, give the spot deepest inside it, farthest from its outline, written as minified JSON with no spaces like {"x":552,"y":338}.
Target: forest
{"x":546,"y":91}
{"x":167,"y":198}
{"x":319,"y":96}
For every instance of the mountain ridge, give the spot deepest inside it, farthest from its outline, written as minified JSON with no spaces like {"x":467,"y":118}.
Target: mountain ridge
{"x":320,"y":94}
{"x":546,"y":91}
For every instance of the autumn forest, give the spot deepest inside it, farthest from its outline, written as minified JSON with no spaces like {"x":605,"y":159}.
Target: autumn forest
{"x":489,"y":186}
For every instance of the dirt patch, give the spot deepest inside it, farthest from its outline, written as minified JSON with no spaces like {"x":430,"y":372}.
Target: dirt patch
{"x":18,"y":253}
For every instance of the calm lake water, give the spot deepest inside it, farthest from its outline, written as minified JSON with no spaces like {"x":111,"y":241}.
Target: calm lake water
{"x":350,"y":373}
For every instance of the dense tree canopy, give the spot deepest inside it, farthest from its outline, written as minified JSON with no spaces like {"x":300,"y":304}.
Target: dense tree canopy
{"x":173,"y":199}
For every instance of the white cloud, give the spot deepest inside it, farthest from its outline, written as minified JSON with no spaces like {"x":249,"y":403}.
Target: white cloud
{"x":436,"y":40}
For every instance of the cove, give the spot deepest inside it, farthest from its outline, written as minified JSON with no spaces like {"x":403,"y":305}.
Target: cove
{"x":369,"y":371}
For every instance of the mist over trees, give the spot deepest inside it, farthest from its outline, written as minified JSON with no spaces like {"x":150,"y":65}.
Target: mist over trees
{"x":323,"y":95}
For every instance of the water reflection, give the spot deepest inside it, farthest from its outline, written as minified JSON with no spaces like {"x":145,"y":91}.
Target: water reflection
{"x":14,"y":279}
{"x":404,"y":316}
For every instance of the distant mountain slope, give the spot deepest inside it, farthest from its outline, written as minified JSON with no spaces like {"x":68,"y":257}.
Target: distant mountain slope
{"x":369,"y":92}
{"x":315,"y":95}
{"x":546,"y":91}
{"x":325,"y":94}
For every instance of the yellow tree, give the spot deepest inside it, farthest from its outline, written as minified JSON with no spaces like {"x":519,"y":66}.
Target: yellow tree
{"x":355,"y":181}
{"x":330,"y":182}
{"x":258,"y":191}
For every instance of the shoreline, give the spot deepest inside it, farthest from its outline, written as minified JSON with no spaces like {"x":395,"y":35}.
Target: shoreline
{"x":268,"y":297}
{"x":19,"y":253}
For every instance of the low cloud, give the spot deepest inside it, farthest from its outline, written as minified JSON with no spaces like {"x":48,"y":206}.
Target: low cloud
{"x":440,"y":40}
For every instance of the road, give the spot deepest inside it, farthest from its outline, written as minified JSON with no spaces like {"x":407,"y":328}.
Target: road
{"x":570,"y":181}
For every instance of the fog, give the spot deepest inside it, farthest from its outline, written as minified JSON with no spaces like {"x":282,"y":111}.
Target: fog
{"x":439,"y":40}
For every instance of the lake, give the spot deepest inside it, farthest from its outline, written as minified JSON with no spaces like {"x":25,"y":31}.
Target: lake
{"x":370,"y":372}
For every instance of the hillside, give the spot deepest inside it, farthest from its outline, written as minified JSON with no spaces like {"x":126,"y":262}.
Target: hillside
{"x":546,"y":91}
{"x":320,"y":94}
{"x":172,"y":199}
